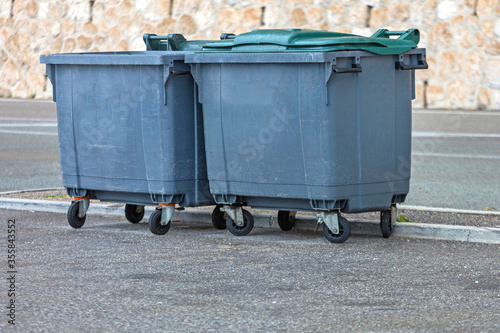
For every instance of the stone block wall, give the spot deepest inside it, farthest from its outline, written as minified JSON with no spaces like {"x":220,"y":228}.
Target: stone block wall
{"x":462,"y":37}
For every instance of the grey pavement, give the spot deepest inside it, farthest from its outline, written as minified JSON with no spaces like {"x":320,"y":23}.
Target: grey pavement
{"x":115,"y":276}
{"x":455,"y":162}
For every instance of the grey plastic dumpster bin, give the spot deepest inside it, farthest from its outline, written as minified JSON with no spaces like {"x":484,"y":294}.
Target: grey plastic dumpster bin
{"x":130,"y":131}
{"x":308,"y":120}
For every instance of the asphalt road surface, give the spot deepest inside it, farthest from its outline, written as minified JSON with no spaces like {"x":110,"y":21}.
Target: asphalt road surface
{"x":455,"y":159}
{"x":112,"y":276}
{"x":455,"y":162}
{"x":29,"y":151}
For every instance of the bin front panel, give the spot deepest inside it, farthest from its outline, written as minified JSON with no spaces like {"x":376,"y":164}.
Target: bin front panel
{"x":276,"y":130}
{"x":256,"y":129}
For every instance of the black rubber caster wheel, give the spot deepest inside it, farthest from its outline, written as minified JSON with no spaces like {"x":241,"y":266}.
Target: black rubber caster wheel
{"x":385,"y":223}
{"x":286,"y":220}
{"x":155,"y":225}
{"x":219,"y":218}
{"x":134,"y":213}
{"x":344,"y":231}
{"x":245,"y":228}
{"x":73,"y":219}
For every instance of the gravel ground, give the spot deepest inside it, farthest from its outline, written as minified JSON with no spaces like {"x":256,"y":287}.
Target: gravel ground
{"x":410,"y":215}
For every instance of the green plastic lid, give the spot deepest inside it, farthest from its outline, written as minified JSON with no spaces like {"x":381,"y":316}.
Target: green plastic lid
{"x":302,"y":40}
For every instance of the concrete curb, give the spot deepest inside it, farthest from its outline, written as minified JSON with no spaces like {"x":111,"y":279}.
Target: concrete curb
{"x":304,"y":222}
{"x":448,"y":210}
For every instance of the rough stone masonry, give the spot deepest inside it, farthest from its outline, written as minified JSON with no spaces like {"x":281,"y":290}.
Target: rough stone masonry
{"x":462,"y":37}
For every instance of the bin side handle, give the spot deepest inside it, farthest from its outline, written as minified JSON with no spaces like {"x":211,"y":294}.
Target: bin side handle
{"x":331,"y":67}
{"x":421,"y":63}
{"x":167,"y":73}
{"x":355,"y":66}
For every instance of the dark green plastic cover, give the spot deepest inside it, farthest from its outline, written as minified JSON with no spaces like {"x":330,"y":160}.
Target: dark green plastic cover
{"x":302,"y":40}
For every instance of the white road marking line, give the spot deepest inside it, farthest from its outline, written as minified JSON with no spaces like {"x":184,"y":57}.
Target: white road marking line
{"x":454,"y":135}
{"x":29,"y":125}
{"x":26,"y":119}
{"x":28,"y":132}
{"x":33,"y":190}
{"x":458,"y":113}
{"x":487,"y":157}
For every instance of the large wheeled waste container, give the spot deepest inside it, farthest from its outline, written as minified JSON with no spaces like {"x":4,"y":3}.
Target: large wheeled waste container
{"x":308,"y":120}
{"x":131,"y":130}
